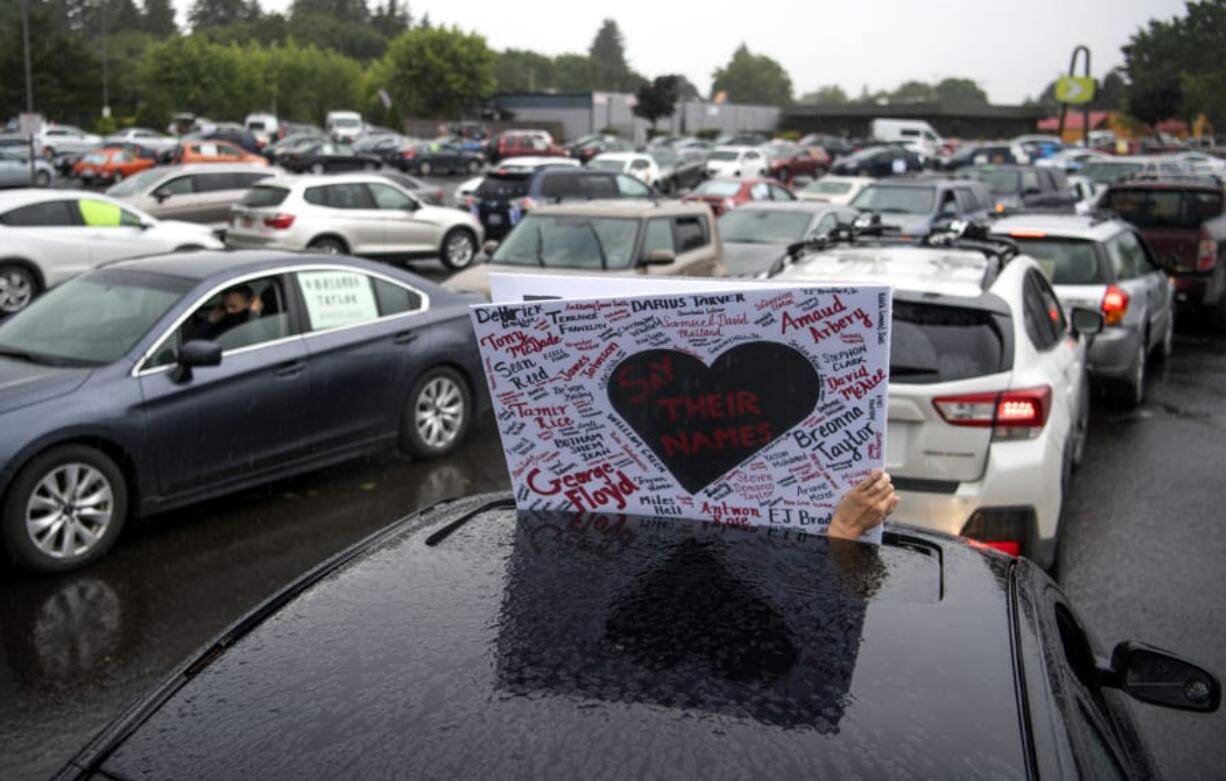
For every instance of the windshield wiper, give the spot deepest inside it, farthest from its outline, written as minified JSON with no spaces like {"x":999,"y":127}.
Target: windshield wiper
{"x":604,"y":261}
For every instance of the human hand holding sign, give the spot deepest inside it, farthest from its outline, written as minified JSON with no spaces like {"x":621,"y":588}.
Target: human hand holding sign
{"x":863,"y":507}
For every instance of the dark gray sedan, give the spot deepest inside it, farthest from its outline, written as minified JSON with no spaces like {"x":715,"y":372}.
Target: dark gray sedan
{"x":756,"y":235}
{"x":150,"y":384}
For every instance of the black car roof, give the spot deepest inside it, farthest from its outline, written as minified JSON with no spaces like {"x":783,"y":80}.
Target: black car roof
{"x":473,"y":642}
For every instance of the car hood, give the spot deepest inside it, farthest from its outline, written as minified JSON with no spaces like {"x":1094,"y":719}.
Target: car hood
{"x":749,"y":260}
{"x":23,"y":383}
{"x":908,"y":224}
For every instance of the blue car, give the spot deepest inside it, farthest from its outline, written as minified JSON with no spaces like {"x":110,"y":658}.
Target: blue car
{"x":149,"y":384}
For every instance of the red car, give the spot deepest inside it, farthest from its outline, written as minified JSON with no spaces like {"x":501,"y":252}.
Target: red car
{"x":113,"y":164}
{"x":524,"y":143}
{"x":788,"y":161}
{"x":724,"y":194}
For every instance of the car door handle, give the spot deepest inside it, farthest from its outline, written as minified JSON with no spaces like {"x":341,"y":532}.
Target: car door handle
{"x":290,"y":369}
{"x":404,"y":337}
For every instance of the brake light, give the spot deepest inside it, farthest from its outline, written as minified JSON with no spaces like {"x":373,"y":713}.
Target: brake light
{"x":1012,"y":414}
{"x":1012,"y":547}
{"x":1027,"y":234}
{"x":1206,"y":254}
{"x":409,"y":154}
{"x":1115,"y":305}
{"x":279,"y":221}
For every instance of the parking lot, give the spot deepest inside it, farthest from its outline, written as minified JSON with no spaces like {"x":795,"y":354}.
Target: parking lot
{"x":1140,"y":556}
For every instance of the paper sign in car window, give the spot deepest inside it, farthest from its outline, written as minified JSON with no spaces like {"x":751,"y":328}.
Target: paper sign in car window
{"x":752,"y":407}
{"x":337,"y":298}
{"x":99,"y":213}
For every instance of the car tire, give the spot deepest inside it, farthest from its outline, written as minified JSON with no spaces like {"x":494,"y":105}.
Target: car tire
{"x":459,"y":249}
{"x":1081,"y":427}
{"x":18,"y":287}
{"x":423,"y":169}
{"x":1132,"y":390}
{"x":68,"y":489}
{"x":318,"y":168}
{"x":42,"y":179}
{"x":1167,"y":346}
{"x":473,"y":167}
{"x":328,"y":245}
{"x":437,"y":414}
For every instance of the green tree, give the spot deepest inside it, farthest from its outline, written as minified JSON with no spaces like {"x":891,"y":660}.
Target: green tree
{"x":830,"y":95}
{"x":159,"y":18}
{"x":1156,"y":102}
{"x":346,"y":10}
{"x":913,"y":92}
{"x":519,"y":70}
{"x":657,"y":99}
{"x":434,"y":72}
{"x":1181,"y":54}
{"x":959,"y":92}
{"x":753,"y":78}
{"x":608,"y":56}
{"x":352,"y":39}
{"x":217,"y":13}
{"x":574,"y":73}
{"x":67,"y":74}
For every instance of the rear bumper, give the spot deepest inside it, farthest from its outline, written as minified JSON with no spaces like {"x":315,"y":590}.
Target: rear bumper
{"x":1197,"y":290}
{"x":1023,"y":475}
{"x":1112,"y":353}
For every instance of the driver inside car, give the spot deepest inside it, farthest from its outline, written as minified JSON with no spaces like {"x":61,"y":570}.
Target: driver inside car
{"x":238,"y":305}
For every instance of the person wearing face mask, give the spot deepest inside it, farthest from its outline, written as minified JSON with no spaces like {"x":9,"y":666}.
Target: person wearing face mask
{"x":238,"y":305}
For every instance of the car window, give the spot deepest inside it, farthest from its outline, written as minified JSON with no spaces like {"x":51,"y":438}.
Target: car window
{"x":339,"y":298}
{"x":388,"y":197}
{"x":393,"y":299}
{"x":180,"y":185}
{"x":1122,"y":263}
{"x":1066,"y":261}
{"x":658,"y":235}
{"x":1039,"y":317}
{"x":629,"y":187}
{"x":759,"y":192}
{"x":780,"y":194}
{"x":1030,"y":181}
{"x":211,"y":183}
{"x":949,"y":205}
{"x":691,"y":233}
{"x":966,"y":201}
{"x":42,"y":214}
{"x":349,"y":196}
{"x":932,"y":343}
{"x":246,"y":314}
{"x":104,"y":214}
{"x":246,"y":180}
{"x":1135,"y":259}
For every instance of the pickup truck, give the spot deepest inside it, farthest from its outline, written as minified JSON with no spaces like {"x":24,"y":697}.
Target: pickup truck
{"x":1183,"y":220}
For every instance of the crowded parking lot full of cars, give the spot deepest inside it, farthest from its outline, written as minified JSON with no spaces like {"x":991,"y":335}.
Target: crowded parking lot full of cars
{"x":279,"y":312}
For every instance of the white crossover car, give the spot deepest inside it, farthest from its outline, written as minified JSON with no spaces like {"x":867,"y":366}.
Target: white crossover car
{"x":49,"y":236}
{"x":989,"y":398}
{"x":740,"y":162}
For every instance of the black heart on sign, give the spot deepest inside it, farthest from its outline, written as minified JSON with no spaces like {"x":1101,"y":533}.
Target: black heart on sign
{"x":702,"y":421}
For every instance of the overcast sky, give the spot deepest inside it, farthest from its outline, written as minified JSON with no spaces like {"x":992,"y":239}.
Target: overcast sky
{"x":1011,"y":48}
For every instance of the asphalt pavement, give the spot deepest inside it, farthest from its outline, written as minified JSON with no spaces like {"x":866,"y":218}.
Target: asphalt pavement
{"x":1141,"y":558}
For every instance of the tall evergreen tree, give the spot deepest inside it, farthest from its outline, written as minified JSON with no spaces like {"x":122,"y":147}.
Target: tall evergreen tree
{"x":159,"y":18}
{"x":217,"y":13}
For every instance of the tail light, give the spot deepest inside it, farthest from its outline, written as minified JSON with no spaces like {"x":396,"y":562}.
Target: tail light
{"x":1115,"y":305}
{"x":1011,"y":414}
{"x":279,"y":221}
{"x":1206,"y":254}
{"x":409,"y":154}
{"x":1000,"y":528}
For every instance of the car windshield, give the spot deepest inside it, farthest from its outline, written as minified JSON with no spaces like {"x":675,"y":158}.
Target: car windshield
{"x":346,"y":122}
{"x":137,"y":182}
{"x":1164,"y":208}
{"x":664,"y":157}
{"x":91,"y":320}
{"x":999,"y":182}
{"x":888,"y":199}
{"x":96,"y":157}
{"x":571,"y":242}
{"x":825,"y":187}
{"x":607,"y":165}
{"x":723,"y":156}
{"x":721,"y":189}
{"x":764,"y":226}
{"x":1066,"y":261}
{"x":1107,"y":172}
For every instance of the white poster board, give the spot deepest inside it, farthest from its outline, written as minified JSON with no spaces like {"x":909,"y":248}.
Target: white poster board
{"x":755,"y":406}
{"x":337,"y":298}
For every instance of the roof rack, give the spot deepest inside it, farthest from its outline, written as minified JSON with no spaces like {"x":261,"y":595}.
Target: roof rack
{"x":1212,"y":180}
{"x":867,"y":229}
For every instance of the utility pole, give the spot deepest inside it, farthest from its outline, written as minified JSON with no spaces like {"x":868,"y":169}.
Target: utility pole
{"x":25,"y":45}
{"x":106,"y":75}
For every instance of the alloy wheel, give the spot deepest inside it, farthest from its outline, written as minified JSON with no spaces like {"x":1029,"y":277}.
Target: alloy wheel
{"x":17,"y":287}
{"x":69,"y":510}
{"x":460,"y":250}
{"x":439,"y":412}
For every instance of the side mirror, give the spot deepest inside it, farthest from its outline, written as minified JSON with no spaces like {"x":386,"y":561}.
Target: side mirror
{"x":161,"y":196}
{"x":659,"y":257}
{"x":1087,"y":321}
{"x":1161,"y":678}
{"x":489,"y":247}
{"x":195,"y":353}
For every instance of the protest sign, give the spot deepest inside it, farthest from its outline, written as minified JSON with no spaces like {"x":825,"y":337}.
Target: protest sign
{"x":760,"y":406}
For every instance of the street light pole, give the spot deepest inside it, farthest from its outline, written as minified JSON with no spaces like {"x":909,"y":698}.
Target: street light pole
{"x":106,"y":76}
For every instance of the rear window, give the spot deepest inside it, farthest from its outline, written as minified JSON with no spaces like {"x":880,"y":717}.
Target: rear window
{"x":1164,"y":208}
{"x":503,"y":187}
{"x":1066,"y":261}
{"x":896,"y":200}
{"x":934,"y":343}
{"x":264,"y":196}
{"x":580,"y":186}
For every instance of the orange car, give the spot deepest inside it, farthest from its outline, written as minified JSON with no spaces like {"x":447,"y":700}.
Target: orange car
{"x":215,"y":152}
{"x":112,"y":164}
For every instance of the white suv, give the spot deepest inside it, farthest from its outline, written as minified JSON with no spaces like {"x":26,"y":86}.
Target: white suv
{"x":740,"y":162}
{"x":988,"y":399}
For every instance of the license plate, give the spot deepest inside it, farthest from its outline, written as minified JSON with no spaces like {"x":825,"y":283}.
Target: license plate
{"x":495,"y":219}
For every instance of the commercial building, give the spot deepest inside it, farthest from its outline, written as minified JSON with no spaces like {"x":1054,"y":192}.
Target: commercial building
{"x":853,"y":119}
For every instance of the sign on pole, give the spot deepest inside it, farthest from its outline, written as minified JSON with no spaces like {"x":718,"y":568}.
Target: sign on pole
{"x":1075,"y":90}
